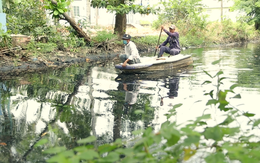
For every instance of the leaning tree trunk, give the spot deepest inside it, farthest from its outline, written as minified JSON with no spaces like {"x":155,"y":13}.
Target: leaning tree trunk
{"x":120,"y":24}
{"x":74,"y":25}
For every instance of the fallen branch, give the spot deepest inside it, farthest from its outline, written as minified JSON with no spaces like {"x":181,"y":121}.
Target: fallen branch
{"x":74,"y":25}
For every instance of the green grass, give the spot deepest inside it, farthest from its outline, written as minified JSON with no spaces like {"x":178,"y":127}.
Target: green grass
{"x":149,"y":40}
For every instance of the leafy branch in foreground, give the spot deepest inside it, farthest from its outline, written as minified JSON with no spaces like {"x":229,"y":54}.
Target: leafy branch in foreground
{"x":197,"y":140}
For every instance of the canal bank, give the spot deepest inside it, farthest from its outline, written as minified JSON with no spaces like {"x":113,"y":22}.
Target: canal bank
{"x":11,"y":67}
{"x":9,"y":70}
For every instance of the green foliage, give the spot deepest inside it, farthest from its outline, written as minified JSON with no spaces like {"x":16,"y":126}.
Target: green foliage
{"x":195,"y":30}
{"x":185,"y":13}
{"x":24,"y":16}
{"x":8,"y":3}
{"x":36,"y":47}
{"x":178,"y":10}
{"x":5,"y":38}
{"x":252,"y":10}
{"x":148,"y":40}
{"x":103,"y":36}
{"x":192,"y":141}
{"x":187,"y":16}
{"x":123,"y":7}
{"x":29,"y":18}
{"x":238,"y":31}
{"x":57,"y":9}
{"x":54,"y":40}
{"x":228,"y":31}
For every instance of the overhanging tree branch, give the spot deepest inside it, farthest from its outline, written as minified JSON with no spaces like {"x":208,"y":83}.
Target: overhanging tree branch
{"x":74,"y":25}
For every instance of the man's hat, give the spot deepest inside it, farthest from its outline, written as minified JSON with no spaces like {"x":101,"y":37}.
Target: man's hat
{"x":126,"y":37}
{"x":172,"y":27}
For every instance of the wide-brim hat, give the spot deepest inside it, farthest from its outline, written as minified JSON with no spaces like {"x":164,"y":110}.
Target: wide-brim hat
{"x":126,"y":37}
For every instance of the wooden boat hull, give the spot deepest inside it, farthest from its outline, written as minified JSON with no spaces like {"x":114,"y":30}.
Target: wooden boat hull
{"x":155,"y":76}
{"x":152,"y":64}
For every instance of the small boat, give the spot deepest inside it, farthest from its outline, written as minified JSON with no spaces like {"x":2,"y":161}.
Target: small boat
{"x":151,"y":64}
{"x":155,"y":76}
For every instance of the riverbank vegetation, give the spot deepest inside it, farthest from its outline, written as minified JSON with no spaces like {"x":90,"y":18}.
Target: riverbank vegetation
{"x":194,"y":29}
{"x":214,"y":33}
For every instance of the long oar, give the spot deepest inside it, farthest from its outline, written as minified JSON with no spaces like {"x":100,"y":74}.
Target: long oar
{"x":158,"y":42}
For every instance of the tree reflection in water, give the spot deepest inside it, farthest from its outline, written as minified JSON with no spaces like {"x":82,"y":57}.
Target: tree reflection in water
{"x":6,"y":124}
{"x":60,"y":107}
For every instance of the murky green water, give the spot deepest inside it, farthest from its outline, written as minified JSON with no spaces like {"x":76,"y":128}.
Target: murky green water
{"x":73,"y":103}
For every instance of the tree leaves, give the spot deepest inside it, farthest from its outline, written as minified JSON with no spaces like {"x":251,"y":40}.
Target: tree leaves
{"x":216,"y":62}
{"x":57,"y":7}
{"x":55,"y":150}
{"x":227,"y":121}
{"x":214,"y":133}
{"x":188,"y":153}
{"x":41,"y":142}
{"x":251,"y":8}
{"x":88,"y":155}
{"x":87,"y":140}
{"x":123,"y":8}
{"x":249,"y":114}
{"x":212,"y":101}
{"x":218,"y":157}
{"x":170,"y":133}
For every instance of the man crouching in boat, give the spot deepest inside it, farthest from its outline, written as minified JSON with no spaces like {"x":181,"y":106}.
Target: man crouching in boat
{"x":173,"y":40}
{"x":131,"y":55}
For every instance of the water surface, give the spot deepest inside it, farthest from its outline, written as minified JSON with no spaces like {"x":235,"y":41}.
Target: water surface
{"x":66,"y":105}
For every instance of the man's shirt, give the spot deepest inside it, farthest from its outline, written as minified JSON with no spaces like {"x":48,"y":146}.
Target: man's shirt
{"x":172,"y":39}
{"x":131,"y":51}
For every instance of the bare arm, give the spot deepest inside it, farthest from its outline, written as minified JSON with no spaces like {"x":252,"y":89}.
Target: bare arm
{"x":124,"y":64}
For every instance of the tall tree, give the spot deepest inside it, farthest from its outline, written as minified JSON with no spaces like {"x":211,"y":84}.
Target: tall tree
{"x":122,"y":7}
{"x":252,"y":10}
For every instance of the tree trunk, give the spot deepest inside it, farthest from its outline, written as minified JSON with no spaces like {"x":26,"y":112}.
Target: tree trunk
{"x":74,"y":25}
{"x":120,"y":25}
{"x":257,"y":25}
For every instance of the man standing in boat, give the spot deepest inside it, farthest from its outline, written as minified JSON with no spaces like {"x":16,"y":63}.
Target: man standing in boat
{"x":131,"y":55}
{"x":172,"y":39}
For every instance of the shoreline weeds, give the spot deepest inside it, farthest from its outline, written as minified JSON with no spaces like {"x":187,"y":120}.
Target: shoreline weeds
{"x":10,"y":70}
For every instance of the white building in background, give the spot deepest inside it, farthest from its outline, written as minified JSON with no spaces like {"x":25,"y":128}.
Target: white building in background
{"x":213,"y":9}
{"x":81,"y":9}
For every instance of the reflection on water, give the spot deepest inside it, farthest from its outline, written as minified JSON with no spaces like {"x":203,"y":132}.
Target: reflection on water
{"x":172,"y":83}
{"x":64,"y":106}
